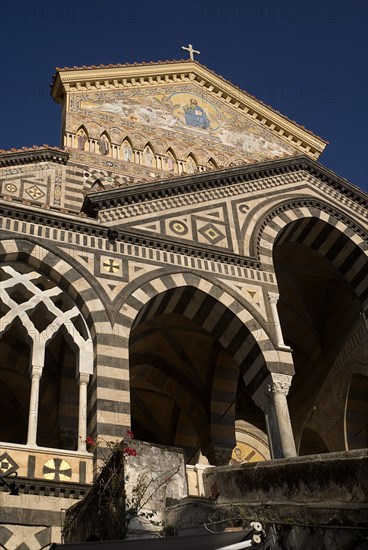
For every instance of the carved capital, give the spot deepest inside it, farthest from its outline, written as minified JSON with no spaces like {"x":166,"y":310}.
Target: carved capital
{"x":273,"y":297}
{"x":279,"y":384}
{"x":275,"y":384}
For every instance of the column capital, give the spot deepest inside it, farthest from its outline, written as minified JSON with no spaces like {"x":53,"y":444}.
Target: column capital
{"x":273,"y":297}
{"x":83,"y":378}
{"x":275,"y":384}
{"x":279,"y":383}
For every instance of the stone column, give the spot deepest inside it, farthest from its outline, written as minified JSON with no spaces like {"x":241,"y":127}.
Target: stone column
{"x":36,"y":373}
{"x":82,"y":416}
{"x":271,"y":398}
{"x":274,"y":298}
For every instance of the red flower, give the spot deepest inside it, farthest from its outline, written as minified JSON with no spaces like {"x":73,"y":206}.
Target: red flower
{"x":129,"y":451}
{"x":130,"y":433}
{"x":90,"y":441}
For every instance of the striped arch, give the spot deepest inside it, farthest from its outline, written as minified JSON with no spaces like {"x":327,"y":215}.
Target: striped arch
{"x":227,"y":319}
{"x":324,"y":230}
{"x":220,"y":315}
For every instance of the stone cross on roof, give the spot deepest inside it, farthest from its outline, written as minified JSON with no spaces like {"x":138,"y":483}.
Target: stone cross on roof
{"x":191,"y":51}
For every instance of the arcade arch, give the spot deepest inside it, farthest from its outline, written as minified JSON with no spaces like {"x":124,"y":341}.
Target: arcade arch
{"x":46,"y":359}
{"x":322,"y":274}
{"x":189,"y":354}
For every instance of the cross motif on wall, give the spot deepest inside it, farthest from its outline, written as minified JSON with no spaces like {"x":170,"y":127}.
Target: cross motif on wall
{"x":111,"y":265}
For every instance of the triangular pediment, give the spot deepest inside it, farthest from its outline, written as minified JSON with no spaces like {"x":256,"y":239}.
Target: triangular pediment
{"x":177,"y":111}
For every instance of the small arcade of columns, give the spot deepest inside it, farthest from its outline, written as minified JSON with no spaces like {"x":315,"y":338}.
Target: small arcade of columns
{"x":144,"y":155}
{"x":46,"y":359}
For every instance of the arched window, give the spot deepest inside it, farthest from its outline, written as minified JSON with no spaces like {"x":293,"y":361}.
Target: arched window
{"x":15,"y":382}
{"x":104,"y":144}
{"x":82,"y":138}
{"x":127,"y":151}
{"x":148,"y":156}
{"x":192,"y":165}
{"x":170,"y":162}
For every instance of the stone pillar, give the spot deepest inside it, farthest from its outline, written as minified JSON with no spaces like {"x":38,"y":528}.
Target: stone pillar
{"x":271,"y":398}
{"x":82,"y":416}
{"x":36,"y":373}
{"x":274,"y":298}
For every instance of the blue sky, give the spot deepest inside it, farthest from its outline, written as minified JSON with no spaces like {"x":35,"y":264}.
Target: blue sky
{"x":307,"y":59}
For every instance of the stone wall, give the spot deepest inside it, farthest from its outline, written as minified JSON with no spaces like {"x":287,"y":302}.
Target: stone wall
{"x":140,"y":483}
{"x":318,"y":501}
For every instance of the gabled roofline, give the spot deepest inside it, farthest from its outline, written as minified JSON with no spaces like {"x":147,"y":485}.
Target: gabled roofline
{"x":108,"y":77}
{"x":101,"y":200}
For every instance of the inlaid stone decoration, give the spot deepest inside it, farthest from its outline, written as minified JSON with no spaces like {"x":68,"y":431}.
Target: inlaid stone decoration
{"x":57,"y":469}
{"x":7,"y":464}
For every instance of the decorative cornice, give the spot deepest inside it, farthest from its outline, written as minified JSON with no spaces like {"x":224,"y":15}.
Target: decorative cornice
{"x":94,"y":202}
{"x":27,"y":155}
{"x":107,"y":77}
{"x":127,"y":236}
{"x":58,"y":489}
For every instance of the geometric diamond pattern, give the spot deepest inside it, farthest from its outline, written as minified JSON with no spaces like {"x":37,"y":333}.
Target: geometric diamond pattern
{"x":35,"y":192}
{"x":7,"y":464}
{"x":211,"y":233}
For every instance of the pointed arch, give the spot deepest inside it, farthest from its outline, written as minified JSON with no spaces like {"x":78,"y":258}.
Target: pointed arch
{"x":84,"y":310}
{"x":149,"y":158}
{"x":15,"y":383}
{"x":212,"y":164}
{"x":171,"y":161}
{"x":60,"y":271}
{"x":191,"y":164}
{"x":104,"y":143}
{"x":126,"y":150}
{"x":82,"y":138}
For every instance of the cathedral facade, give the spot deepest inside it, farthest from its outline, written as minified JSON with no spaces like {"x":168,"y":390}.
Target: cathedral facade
{"x":181,"y":267}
